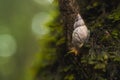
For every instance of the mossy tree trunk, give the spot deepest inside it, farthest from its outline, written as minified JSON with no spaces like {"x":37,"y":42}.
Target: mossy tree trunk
{"x":102,"y":60}
{"x":102,"y":18}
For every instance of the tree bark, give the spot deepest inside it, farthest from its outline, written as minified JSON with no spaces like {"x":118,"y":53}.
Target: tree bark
{"x":69,"y":10}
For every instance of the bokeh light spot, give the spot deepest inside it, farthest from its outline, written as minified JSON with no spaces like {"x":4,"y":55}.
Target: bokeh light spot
{"x":7,"y":45}
{"x":43,"y":2}
{"x":50,"y":1}
{"x":38,"y":24}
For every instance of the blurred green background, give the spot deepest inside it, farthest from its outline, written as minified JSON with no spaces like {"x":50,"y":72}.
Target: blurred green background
{"x":22,"y":30}
{"x":32,"y":41}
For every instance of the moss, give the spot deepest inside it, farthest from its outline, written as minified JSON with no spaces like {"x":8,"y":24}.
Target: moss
{"x":102,"y":62}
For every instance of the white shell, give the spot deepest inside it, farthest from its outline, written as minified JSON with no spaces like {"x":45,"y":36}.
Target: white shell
{"x":80,"y":33}
{"x":79,"y":22}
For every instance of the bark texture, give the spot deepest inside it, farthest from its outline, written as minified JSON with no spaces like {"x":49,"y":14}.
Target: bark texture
{"x":69,"y":10}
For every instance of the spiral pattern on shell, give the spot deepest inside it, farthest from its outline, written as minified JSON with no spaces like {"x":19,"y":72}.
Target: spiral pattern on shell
{"x":80,"y":33}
